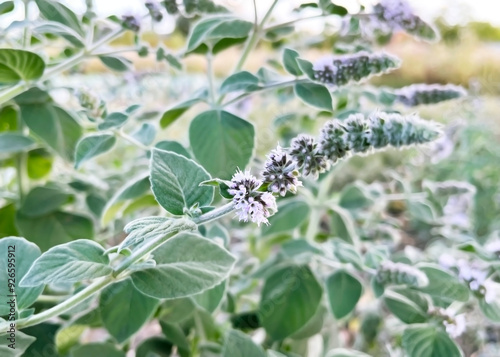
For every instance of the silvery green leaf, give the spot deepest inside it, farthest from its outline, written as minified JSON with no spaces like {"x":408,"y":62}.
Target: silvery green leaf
{"x":69,"y":263}
{"x":23,"y":256}
{"x":187,"y":264}
{"x":175,"y":182}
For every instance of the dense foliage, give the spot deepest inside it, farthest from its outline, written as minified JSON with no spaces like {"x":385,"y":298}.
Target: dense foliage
{"x":127,"y":244}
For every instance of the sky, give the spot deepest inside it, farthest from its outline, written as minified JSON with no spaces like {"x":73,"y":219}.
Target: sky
{"x":455,"y":11}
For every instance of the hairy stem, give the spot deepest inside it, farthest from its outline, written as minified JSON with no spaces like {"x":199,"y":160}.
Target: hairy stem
{"x":254,"y":38}
{"x":19,"y":88}
{"x":210,"y":75}
{"x":66,"y":305}
{"x":215,"y":214}
{"x":269,"y":87}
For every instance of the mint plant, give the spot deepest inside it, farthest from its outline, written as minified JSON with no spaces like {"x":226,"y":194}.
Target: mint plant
{"x":215,"y":248}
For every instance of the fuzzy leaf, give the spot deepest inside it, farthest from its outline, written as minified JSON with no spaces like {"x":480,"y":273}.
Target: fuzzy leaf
{"x":25,"y":253}
{"x":175,"y":182}
{"x":221,"y":142}
{"x":19,"y":65}
{"x":69,"y":263}
{"x":344,"y":291}
{"x":13,"y":142}
{"x":91,"y":146}
{"x":314,"y":94}
{"x":185,"y":265}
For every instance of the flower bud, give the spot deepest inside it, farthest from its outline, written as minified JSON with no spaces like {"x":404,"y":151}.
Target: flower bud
{"x":306,"y":155}
{"x":154,"y":11}
{"x":340,"y":70}
{"x":418,"y":94}
{"x":171,"y":6}
{"x":400,"y":274}
{"x":131,"y":22}
{"x":280,"y":172}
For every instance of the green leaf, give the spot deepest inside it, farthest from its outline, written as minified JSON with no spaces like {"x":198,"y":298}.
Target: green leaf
{"x":124,"y":309}
{"x":342,"y":224}
{"x":14,"y":142}
{"x":20,"y":254}
{"x":6,"y":7}
{"x":39,"y":163}
{"x":145,"y":134}
{"x":25,"y":253}
{"x":241,"y":81}
{"x":343,"y":352}
{"x":172,"y":114}
{"x":69,"y":263}
{"x":407,"y":305}
{"x":55,"y":28}
{"x":355,"y":196}
{"x":55,"y":11}
{"x":344,"y":291}
{"x":136,"y":188}
{"x":289,"y":216}
{"x":185,"y":265}
{"x":443,"y":286}
{"x":116,"y":63}
{"x":91,"y":146}
{"x":491,"y":310}
{"x":7,"y":218}
{"x":210,"y":299}
{"x":63,"y":227}
{"x":173,"y":146}
{"x":330,"y":8}
{"x":346,"y":253}
{"x":313,"y":326}
{"x":221,"y":142}
{"x":290,"y":62}
{"x":9,"y":117}
{"x":289,"y":299}
{"x":176,"y":336}
{"x":210,"y":31}
{"x":43,"y":200}
{"x":113,"y":120}
{"x":97,"y":349}
{"x":19,"y":65}
{"x":154,"y":347}
{"x":316,"y":95}
{"x":238,"y":344}
{"x":22,"y":341}
{"x":306,"y":67}
{"x":175,"y":182}
{"x":57,"y":127}
{"x":429,"y":341}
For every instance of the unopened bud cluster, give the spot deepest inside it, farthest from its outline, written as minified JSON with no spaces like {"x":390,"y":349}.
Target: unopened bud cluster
{"x":455,"y":325}
{"x":398,"y":15}
{"x":131,"y":22}
{"x":305,"y":152}
{"x":358,"y":134}
{"x":340,"y":70}
{"x":400,"y":274}
{"x":154,"y":10}
{"x":280,"y":172}
{"x":91,"y":102}
{"x":171,"y":6}
{"x":338,"y":139}
{"x":418,"y":94}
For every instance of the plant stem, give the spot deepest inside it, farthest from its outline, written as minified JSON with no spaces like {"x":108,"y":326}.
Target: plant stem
{"x":272,"y":86}
{"x":210,"y":75}
{"x":284,"y":24}
{"x":19,"y":88}
{"x":254,"y":38}
{"x":66,"y":305}
{"x":131,"y":139}
{"x":216,"y":213}
{"x":312,"y":226}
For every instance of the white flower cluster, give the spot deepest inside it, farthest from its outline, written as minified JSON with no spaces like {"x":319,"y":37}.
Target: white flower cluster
{"x":250,"y":203}
{"x":473,"y":275}
{"x":399,"y":273}
{"x":455,"y":325}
